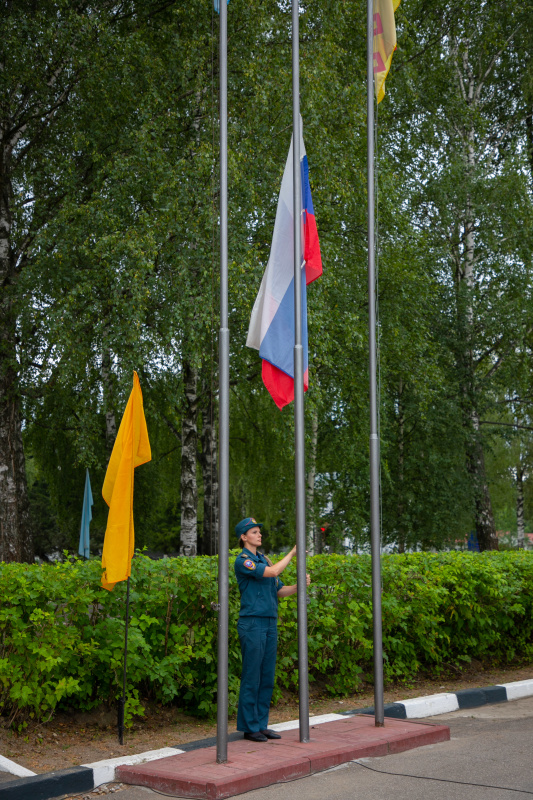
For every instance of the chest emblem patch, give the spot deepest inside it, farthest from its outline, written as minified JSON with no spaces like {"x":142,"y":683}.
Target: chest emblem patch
{"x":249,"y":564}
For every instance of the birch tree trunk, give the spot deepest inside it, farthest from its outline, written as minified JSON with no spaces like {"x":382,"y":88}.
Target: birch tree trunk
{"x":209,"y":473}
{"x":189,"y":428}
{"x":110,"y":419}
{"x":15,"y":525}
{"x":484,"y":521}
{"x":401,"y":458}
{"x":465,"y":263}
{"x":529,"y":127}
{"x":520,"y":527}
{"x":189,"y":441}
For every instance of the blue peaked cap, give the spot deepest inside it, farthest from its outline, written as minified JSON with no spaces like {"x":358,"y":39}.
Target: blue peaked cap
{"x":245,"y":525}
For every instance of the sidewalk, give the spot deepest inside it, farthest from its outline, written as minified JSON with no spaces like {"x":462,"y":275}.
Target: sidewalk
{"x":19,"y":783}
{"x":251,"y":766}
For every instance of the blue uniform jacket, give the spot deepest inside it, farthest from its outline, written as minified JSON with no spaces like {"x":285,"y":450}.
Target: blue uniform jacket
{"x":259,"y":596}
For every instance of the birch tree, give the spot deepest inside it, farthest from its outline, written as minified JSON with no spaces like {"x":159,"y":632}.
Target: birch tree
{"x":43,"y":54}
{"x":466,"y":147}
{"x":88,"y":236}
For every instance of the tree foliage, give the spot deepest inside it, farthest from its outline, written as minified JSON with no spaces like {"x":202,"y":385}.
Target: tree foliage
{"x":109,"y":258}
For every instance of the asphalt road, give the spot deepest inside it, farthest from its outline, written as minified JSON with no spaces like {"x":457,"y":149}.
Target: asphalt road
{"x":489,"y":746}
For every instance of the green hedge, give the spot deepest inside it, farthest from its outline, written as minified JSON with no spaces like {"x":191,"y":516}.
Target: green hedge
{"x":62,"y":635}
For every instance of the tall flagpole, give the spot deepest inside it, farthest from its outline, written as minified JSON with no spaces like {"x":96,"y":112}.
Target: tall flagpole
{"x":303,"y":677}
{"x":374,"y":440}
{"x":223,"y":536}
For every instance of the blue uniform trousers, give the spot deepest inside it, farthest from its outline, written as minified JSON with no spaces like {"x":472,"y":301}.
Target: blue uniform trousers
{"x":259,"y":642}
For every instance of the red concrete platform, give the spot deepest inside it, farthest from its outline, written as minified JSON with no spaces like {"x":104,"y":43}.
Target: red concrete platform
{"x":253,"y":766}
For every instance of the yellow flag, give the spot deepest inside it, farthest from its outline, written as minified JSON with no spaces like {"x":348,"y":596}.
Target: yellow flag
{"x":384,"y":42}
{"x":131,"y":449}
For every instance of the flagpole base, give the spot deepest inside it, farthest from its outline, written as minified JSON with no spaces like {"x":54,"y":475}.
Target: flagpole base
{"x":120,"y":720}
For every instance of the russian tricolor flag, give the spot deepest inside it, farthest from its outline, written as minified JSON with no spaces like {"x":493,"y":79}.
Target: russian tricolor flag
{"x":271,"y":328}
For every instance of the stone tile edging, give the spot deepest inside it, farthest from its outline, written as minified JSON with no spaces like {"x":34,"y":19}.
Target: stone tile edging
{"x":87,"y":777}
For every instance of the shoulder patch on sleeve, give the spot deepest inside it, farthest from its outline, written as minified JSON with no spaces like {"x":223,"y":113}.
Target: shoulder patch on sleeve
{"x":249,"y":564}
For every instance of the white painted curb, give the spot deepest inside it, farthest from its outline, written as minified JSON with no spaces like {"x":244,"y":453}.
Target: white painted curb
{"x":518,"y":689}
{"x":431,"y":705}
{"x":6,"y":765}
{"x":294,"y":723}
{"x":104,"y":771}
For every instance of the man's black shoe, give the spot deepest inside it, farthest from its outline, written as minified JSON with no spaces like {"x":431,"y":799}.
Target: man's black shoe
{"x":257,"y":736}
{"x":270,"y":734}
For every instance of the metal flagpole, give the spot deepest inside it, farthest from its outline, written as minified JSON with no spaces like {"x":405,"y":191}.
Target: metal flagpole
{"x":374,"y":440}
{"x":223,"y":535}
{"x":122,"y":701}
{"x":303,"y":677}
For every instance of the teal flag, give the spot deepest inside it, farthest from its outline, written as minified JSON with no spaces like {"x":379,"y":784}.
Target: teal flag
{"x":86,"y":517}
{"x":217,"y":6}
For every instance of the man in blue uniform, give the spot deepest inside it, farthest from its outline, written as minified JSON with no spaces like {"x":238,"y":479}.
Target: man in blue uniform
{"x":260,"y":588}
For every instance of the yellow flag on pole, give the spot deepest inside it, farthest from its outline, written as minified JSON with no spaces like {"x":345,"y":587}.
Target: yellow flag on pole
{"x":384,"y":42}
{"x":131,"y":449}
